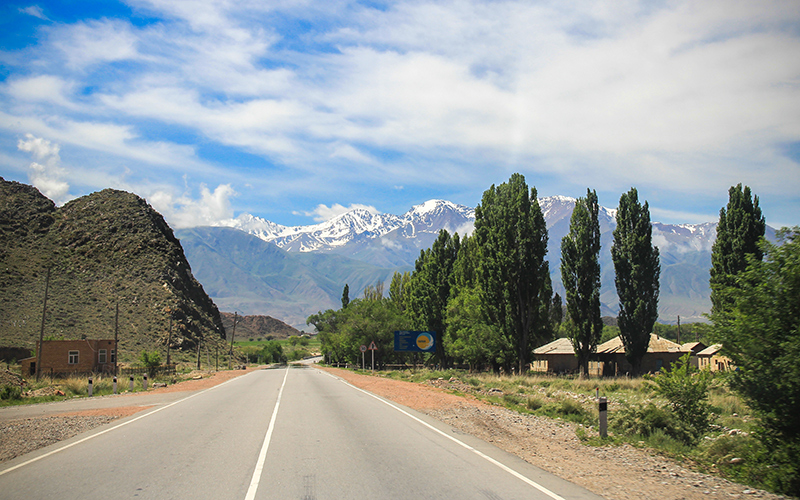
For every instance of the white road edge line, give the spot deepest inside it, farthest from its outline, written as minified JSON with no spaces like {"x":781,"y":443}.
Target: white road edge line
{"x":489,"y":459}
{"x":262,"y":456}
{"x":111,"y":428}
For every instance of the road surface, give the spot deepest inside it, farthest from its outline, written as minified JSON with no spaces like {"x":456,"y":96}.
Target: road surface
{"x":296,"y":433}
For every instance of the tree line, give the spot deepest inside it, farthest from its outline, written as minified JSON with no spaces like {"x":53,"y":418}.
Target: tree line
{"x":489,"y":296}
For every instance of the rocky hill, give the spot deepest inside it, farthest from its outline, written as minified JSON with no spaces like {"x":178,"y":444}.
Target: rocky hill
{"x":258,"y":327}
{"x":106,"y":249}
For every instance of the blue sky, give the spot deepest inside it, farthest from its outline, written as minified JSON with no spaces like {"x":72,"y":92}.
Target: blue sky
{"x":293,"y":110}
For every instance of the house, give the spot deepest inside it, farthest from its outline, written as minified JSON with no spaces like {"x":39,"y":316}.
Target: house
{"x":63,"y":357}
{"x":693,"y":348}
{"x":661,"y":353}
{"x":556,"y":357}
{"x":712,"y":358}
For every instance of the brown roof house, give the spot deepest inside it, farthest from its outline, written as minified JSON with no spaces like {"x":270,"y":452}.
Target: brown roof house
{"x":712,"y":358}
{"x":693,"y":348}
{"x":661,"y":353}
{"x":64,"y":357}
{"x":556,"y":357}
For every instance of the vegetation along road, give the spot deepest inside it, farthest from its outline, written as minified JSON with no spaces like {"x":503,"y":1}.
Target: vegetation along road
{"x":281,"y":433}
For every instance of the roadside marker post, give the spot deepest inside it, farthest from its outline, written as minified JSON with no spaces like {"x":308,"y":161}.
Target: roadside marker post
{"x":90,"y":387}
{"x":144,"y":382}
{"x":603,"y":407}
{"x":115,"y":385}
{"x":131,"y":383}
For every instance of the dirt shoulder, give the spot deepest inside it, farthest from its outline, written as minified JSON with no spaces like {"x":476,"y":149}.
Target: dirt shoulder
{"x":616,"y":473}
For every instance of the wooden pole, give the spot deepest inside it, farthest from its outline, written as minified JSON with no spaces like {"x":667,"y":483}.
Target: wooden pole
{"x":116,"y":340}
{"x":233,"y":335}
{"x":41,"y":330}
{"x":169,"y":337}
{"x":198,"y":353}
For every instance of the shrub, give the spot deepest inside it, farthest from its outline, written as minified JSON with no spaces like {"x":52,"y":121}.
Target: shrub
{"x":10,"y":392}
{"x":686,"y":389}
{"x":647,"y":420}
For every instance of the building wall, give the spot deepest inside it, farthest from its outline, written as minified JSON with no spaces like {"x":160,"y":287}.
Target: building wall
{"x":56,"y":357}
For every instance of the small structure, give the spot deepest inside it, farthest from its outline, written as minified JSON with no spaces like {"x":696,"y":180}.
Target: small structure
{"x":661,"y":353}
{"x":712,"y":359}
{"x":556,"y":357}
{"x":64,"y":357}
{"x":693,"y":348}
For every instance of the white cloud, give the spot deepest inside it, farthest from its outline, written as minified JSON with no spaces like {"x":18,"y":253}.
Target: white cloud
{"x":182,"y":211}
{"x":35,"y":11}
{"x":95,"y":41}
{"x":48,"y":175}
{"x":323,"y":212}
{"x":43,"y":88}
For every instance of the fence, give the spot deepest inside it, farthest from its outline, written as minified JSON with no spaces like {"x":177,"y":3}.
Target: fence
{"x":143,"y":370}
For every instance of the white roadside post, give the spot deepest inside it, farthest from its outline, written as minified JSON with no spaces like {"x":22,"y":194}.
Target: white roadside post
{"x":115,"y":385}
{"x":603,"y":407}
{"x":131,"y":383}
{"x":90,"y":386}
{"x":144,"y":382}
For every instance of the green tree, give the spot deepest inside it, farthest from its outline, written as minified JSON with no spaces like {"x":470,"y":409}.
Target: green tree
{"x":637,"y":267}
{"x":740,"y":228}
{"x":513,"y":275}
{"x":345,"y":295}
{"x":430,"y":288}
{"x":760,"y":332}
{"x":398,"y":288}
{"x":580,"y":274}
{"x":151,"y":361}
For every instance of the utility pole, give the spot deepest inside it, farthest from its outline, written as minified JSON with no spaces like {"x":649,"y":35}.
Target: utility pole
{"x":233,"y":335}
{"x":169,"y":336}
{"x":198,"y":352}
{"x":41,"y":331}
{"x":116,"y":338}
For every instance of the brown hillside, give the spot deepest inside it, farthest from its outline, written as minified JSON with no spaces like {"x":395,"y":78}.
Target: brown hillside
{"x":103,"y":249}
{"x":258,"y":327}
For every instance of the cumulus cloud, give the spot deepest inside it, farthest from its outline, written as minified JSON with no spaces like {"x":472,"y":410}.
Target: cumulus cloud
{"x":183,"y":210}
{"x":323,"y":212}
{"x":46,"y":173}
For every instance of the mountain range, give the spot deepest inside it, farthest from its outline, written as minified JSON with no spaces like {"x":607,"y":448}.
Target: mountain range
{"x":256,"y":266}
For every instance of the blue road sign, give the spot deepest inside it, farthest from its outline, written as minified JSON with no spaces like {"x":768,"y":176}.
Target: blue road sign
{"x":410,"y":341}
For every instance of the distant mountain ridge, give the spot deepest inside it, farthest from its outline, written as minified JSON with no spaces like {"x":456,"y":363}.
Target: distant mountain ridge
{"x":383,"y":243}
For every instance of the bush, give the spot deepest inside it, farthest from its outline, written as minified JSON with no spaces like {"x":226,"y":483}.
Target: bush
{"x":10,"y":392}
{"x":686,"y":389}
{"x":648,"y":420}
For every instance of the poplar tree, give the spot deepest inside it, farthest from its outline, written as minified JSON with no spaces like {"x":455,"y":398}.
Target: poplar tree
{"x":740,"y":228}
{"x":637,"y":267}
{"x":345,"y":296}
{"x":580,"y":274}
{"x":430,"y":287}
{"x":513,"y":275}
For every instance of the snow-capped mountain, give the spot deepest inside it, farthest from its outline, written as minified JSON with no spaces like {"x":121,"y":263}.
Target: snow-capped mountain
{"x":377,"y":244}
{"x":360,"y":225}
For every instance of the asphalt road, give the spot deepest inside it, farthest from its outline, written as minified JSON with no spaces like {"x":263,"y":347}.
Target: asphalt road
{"x":295,"y":433}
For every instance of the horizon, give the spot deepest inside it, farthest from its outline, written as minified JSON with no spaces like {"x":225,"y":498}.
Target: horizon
{"x":296,"y":112}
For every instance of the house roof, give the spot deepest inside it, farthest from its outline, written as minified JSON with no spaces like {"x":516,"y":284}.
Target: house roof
{"x":657,"y":344}
{"x":694,"y":347}
{"x":558,"y":346}
{"x":710,"y":351}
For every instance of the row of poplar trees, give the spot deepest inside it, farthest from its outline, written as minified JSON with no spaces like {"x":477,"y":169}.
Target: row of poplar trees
{"x":489,"y":296}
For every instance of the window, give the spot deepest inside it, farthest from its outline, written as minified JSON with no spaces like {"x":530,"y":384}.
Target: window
{"x":73,"y":357}
{"x":101,"y":356}
{"x":113,"y":356}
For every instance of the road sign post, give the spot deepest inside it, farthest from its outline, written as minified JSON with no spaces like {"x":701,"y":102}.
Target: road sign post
{"x":363,"y":350}
{"x":373,"y":348}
